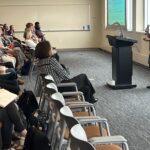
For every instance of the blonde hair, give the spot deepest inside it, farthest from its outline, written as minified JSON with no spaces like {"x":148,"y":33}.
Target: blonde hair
{"x":27,"y":34}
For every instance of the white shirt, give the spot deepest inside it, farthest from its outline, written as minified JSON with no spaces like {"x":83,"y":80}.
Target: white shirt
{"x":31,"y":43}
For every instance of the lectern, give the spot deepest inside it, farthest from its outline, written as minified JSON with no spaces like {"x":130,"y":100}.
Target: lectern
{"x":122,"y":65}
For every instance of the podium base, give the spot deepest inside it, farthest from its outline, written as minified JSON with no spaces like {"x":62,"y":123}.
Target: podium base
{"x":148,"y":87}
{"x":114,"y":86}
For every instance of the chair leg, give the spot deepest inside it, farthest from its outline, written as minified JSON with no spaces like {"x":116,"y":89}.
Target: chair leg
{"x":125,"y":146}
{"x":31,"y":71}
{"x":37,"y":82}
{"x":0,"y":136}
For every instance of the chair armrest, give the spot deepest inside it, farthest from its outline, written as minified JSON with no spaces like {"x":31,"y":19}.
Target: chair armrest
{"x":66,"y":84}
{"x":107,"y":140}
{"x":92,"y":120}
{"x":79,"y":96}
{"x":72,"y":93}
{"x":80,"y":105}
{"x":85,"y":105}
{"x":75,"y":102}
{"x":87,"y":117}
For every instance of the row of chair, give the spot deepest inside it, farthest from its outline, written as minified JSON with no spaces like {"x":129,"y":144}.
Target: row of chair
{"x":73,"y":123}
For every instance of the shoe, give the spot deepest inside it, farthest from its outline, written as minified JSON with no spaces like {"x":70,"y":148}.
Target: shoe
{"x":148,"y":87}
{"x":18,"y":145}
{"x":18,"y":75}
{"x":94,"y":100}
{"x":15,"y":137}
{"x":20,"y":82}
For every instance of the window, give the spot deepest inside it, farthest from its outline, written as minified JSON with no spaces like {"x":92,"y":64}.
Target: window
{"x":129,"y":14}
{"x":116,"y":12}
{"x":147,"y":13}
{"x":120,"y":11}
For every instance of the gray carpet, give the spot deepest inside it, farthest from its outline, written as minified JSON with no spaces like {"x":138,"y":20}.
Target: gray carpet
{"x":127,"y":111}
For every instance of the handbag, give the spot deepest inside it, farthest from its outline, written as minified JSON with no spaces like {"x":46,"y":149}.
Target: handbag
{"x":40,"y":120}
{"x":28,"y":103}
{"x":36,"y":140}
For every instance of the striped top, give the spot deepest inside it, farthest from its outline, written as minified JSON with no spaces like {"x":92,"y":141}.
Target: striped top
{"x":53,"y":67}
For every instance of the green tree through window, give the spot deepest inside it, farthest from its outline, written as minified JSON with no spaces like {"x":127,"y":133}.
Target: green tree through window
{"x":116,"y":11}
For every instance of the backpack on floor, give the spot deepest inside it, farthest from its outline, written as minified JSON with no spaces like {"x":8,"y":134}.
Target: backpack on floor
{"x":28,"y":103}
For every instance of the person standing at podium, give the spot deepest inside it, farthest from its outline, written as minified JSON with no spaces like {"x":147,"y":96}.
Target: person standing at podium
{"x":147,"y":39}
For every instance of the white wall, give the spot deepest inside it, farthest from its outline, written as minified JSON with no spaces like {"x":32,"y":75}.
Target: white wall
{"x":62,"y":40}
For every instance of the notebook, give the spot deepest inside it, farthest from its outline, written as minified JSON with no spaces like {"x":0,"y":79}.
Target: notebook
{"x":6,"y":97}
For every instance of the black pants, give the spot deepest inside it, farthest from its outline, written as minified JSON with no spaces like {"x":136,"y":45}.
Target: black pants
{"x":84,"y":85}
{"x":11,"y":86}
{"x":9,"y":116}
{"x":36,"y":140}
{"x":7,"y":64}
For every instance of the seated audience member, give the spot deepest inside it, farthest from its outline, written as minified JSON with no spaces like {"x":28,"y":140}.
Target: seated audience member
{"x":38,"y":31}
{"x":8,"y":80}
{"x":5,"y":57}
{"x":49,"y":65}
{"x":30,"y":38}
{"x":11,"y":86}
{"x":16,"y":41}
{"x":11,"y":31}
{"x":9,"y":116}
{"x":9,"y":54}
{"x":40,"y":34}
{"x":7,"y":37}
{"x":7,"y":73}
{"x":5,"y":29}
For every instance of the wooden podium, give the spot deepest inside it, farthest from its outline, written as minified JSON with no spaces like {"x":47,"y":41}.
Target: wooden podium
{"x":122,"y":65}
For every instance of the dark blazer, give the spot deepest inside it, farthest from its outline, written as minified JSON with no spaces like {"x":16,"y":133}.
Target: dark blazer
{"x":36,"y":140}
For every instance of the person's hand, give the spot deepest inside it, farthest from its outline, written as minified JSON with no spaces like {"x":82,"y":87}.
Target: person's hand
{"x":146,"y":38}
{"x":10,"y":54}
{"x":53,"y":51}
{"x":39,"y":40}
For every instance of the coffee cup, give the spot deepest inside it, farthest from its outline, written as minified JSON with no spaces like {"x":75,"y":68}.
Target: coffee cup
{"x":2,"y":69}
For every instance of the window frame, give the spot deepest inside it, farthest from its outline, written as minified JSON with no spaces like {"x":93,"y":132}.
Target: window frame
{"x":129,"y":21}
{"x":146,"y":20}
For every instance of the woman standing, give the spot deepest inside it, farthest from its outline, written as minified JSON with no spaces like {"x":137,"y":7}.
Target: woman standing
{"x":30,"y":38}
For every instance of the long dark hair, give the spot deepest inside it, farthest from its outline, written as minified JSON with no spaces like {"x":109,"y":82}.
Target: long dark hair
{"x":37,"y":26}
